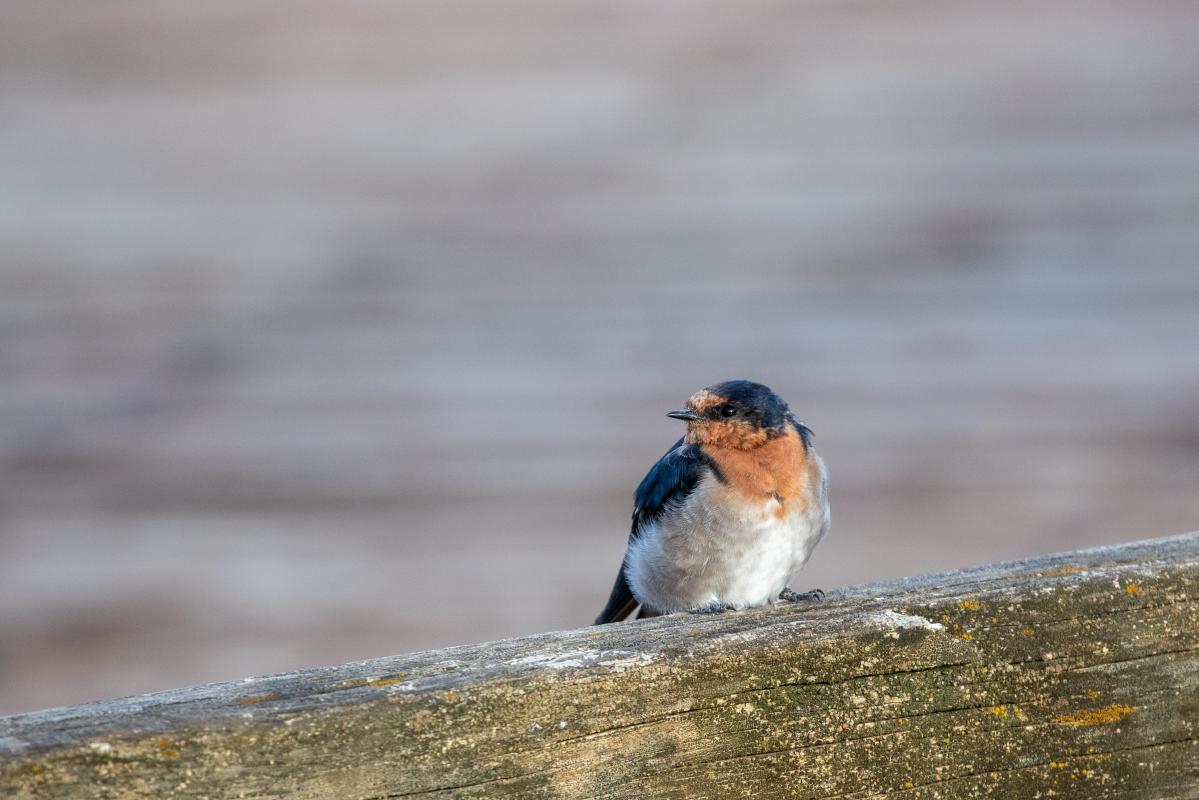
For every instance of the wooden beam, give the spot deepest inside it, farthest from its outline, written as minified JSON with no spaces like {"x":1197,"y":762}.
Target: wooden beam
{"x":1074,"y":676}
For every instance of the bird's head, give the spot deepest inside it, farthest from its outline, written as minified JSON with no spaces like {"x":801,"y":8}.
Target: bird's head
{"x":736,"y":414}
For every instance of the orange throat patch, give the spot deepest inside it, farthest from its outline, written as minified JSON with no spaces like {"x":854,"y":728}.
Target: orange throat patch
{"x":733,"y":435}
{"x":777,"y":468}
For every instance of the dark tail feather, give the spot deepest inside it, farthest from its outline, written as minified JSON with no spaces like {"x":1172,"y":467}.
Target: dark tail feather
{"x":620,"y":604}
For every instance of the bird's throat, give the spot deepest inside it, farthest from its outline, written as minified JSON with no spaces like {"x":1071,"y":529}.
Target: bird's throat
{"x":729,"y":435}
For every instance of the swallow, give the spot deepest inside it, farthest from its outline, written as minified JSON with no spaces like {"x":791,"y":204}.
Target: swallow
{"x":729,"y":514}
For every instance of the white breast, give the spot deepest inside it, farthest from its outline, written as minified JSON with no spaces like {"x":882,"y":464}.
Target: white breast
{"x":699,"y":556}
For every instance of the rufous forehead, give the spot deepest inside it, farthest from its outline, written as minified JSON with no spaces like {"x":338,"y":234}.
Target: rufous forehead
{"x":703,"y":400}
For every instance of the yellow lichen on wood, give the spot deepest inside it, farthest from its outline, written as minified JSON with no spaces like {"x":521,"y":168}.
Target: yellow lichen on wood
{"x":390,"y":680}
{"x":257,"y":698}
{"x":1100,"y":716}
{"x":1053,"y":573}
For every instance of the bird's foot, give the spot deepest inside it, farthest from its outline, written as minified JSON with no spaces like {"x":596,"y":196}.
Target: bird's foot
{"x":792,"y":596}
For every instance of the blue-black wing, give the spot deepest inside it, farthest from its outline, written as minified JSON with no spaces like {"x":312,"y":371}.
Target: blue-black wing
{"x":668,"y":482}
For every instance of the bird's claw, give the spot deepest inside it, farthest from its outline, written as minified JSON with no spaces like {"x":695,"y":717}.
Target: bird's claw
{"x":792,"y":596}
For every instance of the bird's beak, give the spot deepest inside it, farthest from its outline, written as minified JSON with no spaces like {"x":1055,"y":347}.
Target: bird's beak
{"x":684,"y":414}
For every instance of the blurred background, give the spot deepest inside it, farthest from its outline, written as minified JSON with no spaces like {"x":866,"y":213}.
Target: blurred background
{"x":339,"y":330}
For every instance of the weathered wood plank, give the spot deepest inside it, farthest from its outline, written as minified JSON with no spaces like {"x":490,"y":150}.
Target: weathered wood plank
{"x":1076,"y":673}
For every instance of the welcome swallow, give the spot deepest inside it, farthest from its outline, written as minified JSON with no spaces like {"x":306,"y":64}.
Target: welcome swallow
{"x":729,"y":514}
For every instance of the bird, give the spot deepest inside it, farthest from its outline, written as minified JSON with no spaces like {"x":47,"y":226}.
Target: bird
{"x":729,"y":514}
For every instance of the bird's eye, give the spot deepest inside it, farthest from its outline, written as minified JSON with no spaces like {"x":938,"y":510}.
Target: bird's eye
{"x":728,"y":410}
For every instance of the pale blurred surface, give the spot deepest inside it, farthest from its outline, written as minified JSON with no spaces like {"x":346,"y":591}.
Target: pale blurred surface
{"x":336,"y":330}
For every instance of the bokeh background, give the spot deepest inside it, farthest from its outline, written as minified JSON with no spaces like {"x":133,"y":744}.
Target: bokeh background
{"x":337,"y":330}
